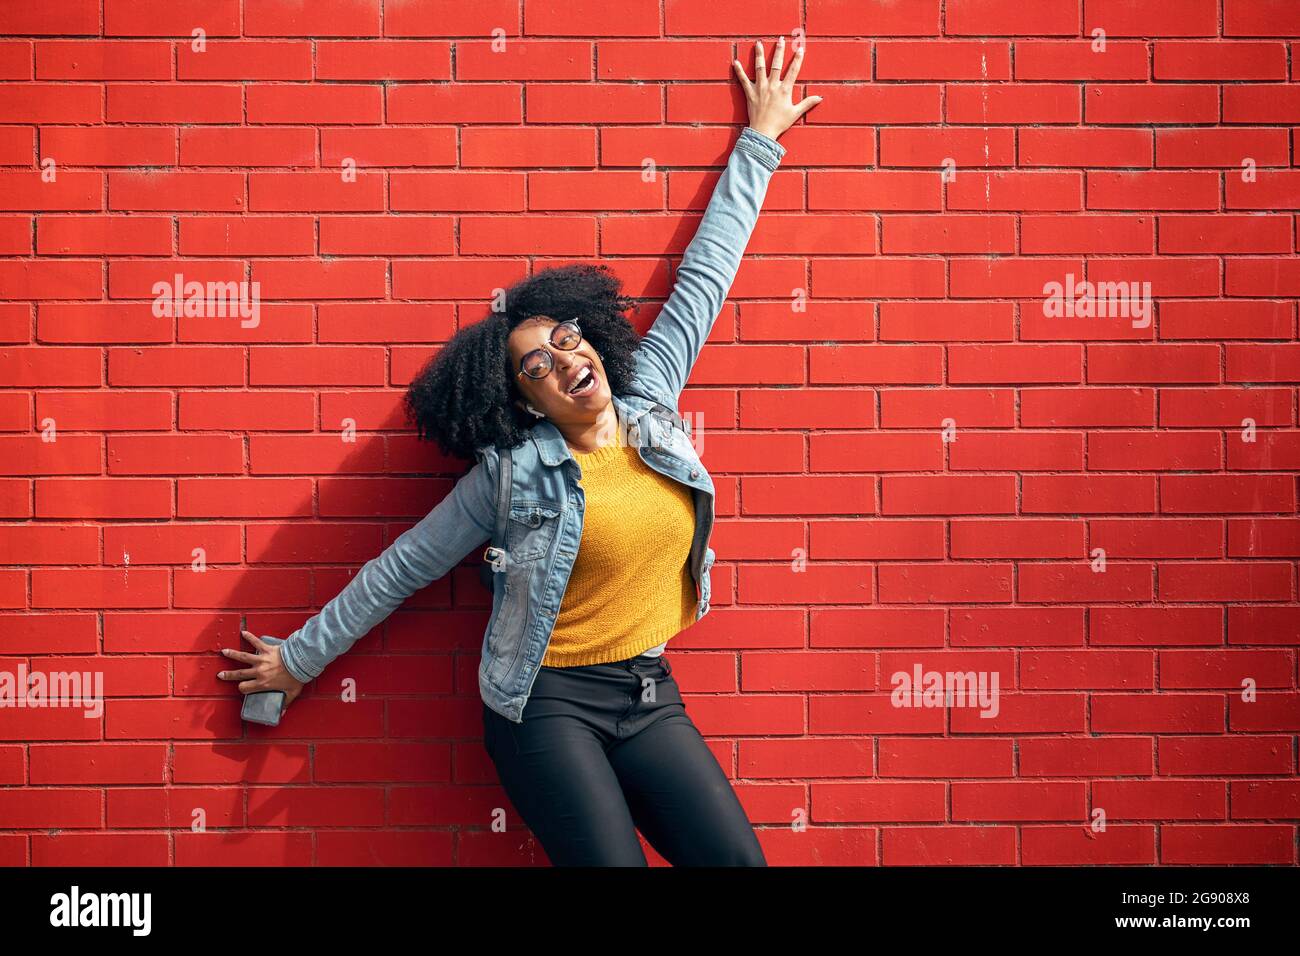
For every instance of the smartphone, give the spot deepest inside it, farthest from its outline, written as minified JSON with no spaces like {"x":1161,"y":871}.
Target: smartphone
{"x":264,"y":707}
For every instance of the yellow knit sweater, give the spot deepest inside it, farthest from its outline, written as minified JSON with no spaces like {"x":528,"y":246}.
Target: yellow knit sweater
{"x":631,"y":585}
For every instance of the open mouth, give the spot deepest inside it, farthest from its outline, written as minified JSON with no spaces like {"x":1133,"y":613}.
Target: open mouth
{"x":586,"y":382}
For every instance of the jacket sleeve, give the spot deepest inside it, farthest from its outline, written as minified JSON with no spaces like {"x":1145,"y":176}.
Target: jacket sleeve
{"x":667,"y":353}
{"x":464,"y":519}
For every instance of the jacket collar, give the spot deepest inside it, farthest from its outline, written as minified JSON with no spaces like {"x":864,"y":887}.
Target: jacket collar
{"x":550,"y":442}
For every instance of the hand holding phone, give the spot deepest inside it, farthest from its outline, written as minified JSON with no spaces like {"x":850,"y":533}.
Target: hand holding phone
{"x":264,"y":668}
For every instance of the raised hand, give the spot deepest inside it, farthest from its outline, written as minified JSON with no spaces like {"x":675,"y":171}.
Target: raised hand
{"x":771,"y":111}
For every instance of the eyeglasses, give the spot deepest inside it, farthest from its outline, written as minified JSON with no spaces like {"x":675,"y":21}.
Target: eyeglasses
{"x":539,"y":362}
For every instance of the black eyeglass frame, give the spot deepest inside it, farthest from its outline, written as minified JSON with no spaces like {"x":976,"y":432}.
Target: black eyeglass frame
{"x":549,"y":358}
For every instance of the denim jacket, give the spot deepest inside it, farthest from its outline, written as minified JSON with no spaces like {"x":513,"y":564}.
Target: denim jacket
{"x":546,"y":499}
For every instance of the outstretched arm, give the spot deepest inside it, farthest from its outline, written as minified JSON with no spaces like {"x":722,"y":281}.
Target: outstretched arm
{"x":668,"y":352}
{"x":420,"y":555}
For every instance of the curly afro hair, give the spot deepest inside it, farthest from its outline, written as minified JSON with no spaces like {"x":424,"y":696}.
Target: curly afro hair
{"x":464,"y":396}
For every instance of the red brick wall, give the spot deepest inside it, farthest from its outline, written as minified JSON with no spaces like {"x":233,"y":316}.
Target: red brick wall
{"x":1101,"y":512}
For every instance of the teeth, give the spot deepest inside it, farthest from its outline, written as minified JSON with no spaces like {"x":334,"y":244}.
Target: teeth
{"x":585,"y":377}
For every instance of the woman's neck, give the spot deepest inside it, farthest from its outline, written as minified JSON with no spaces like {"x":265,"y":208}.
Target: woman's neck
{"x":588,"y":437}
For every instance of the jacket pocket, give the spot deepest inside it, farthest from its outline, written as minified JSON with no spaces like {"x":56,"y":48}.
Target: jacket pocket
{"x":531,"y":530}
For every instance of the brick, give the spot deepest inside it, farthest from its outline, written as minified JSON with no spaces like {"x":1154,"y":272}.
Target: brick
{"x":888,"y":18}
{"x":213,"y":192}
{"x":322,"y":104}
{"x":383,"y":60}
{"x":944,"y":60}
{"x":247,"y":235}
{"x":178,"y":18}
{"x":384,"y":146}
{"x":103,"y":60}
{"x":69,"y":191}
{"x":51,"y":279}
{"x":50,"y":103}
{"x":1010,"y":18}
{"x":15,"y":60}
{"x":55,"y":18}
{"x":245,"y":60}
{"x":386,"y":235}
{"x":1260,"y":18}
{"x":17,"y":145}
{"x":103,"y":235}
{"x":1144,"y":18}
{"x":306,"y":279}
{"x":248,"y":146}
{"x":109,"y":146}
{"x":311,"y":192}
{"x":175,"y":103}
{"x":100,"y":323}
{"x":1072,"y":60}
{"x":324,"y":18}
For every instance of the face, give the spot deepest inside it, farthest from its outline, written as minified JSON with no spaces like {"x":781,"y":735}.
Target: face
{"x":551,"y":395}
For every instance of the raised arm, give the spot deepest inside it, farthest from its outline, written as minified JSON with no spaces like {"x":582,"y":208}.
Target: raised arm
{"x":667,"y":353}
{"x":423,"y":553}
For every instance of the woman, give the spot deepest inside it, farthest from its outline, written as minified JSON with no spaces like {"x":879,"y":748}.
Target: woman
{"x":605,"y":544}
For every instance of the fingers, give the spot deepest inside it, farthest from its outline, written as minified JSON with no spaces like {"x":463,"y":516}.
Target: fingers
{"x":251,"y":679}
{"x":804,"y":105}
{"x":244,"y":656}
{"x":247,"y":674}
{"x":744,"y":80}
{"x":778,"y":57}
{"x":759,"y":66}
{"x":793,"y":72}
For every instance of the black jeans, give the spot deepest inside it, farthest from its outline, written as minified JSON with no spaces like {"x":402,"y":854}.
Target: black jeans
{"x":605,"y":750}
